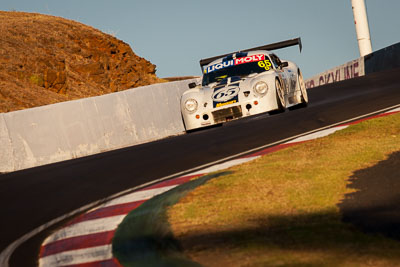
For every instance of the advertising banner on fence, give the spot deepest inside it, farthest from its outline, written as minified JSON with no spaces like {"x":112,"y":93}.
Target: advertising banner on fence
{"x":349,"y":70}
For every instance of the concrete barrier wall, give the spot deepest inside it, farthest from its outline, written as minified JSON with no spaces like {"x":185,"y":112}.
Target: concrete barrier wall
{"x":72,"y":129}
{"x":383,"y":59}
{"x":6,"y":151}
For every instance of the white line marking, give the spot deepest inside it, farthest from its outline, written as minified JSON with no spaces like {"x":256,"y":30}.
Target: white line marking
{"x":6,"y":253}
{"x":316,"y":135}
{"x":138,"y":196}
{"x":86,"y":228}
{"x":394,"y":110}
{"x":224,"y":165}
{"x":78,"y":256}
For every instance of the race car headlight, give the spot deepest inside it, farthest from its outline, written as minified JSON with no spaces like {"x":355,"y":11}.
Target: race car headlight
{"x":260,"y":88}
{"x":191,"y":105}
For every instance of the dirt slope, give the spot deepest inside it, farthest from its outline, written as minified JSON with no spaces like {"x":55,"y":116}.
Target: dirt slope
{"x":46,"y":59}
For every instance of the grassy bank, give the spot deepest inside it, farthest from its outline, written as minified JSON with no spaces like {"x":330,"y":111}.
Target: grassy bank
{"x":281,"y":209}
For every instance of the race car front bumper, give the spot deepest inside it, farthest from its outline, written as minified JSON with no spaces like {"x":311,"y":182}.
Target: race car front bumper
{"x":227,"y":114}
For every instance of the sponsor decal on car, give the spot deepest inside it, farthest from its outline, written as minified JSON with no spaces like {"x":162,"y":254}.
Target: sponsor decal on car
{"x":234,"y":62}
{"x":249,"y":59}
{"x":226,"y":103}
{"x":225,"y":96}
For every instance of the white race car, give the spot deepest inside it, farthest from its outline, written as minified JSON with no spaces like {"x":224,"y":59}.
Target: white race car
{"x":242,"y":84}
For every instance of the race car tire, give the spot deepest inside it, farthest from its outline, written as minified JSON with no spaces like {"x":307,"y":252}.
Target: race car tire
{"x":303,"y":93}
{"x":280,"y":99}
{"x":303,"y":90}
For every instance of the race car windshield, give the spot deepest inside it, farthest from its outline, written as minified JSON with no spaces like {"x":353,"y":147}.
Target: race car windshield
{"x":241,"y":70}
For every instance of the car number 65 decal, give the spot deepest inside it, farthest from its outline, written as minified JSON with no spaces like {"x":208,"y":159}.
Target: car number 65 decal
{"x":266,"y":64}
{"x":225,"y":94}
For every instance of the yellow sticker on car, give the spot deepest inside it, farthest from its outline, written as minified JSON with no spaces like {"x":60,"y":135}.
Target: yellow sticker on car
{"x":266,"y":64}
{"x":226,"y":103}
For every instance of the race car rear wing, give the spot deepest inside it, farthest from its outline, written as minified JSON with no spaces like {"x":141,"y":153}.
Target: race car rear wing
{"x":274,"y":46}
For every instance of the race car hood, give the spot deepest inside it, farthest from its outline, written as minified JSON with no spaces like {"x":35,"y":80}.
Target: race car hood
{"x":224,"y":92}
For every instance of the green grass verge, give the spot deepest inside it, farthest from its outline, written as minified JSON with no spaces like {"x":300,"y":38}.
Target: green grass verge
{"x":281,"y":209}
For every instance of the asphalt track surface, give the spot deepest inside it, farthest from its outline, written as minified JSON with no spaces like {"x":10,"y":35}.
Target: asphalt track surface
{"x":33,"y":197}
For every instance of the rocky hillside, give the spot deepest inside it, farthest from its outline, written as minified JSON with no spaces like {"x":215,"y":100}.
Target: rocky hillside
{"x":46,"y":59}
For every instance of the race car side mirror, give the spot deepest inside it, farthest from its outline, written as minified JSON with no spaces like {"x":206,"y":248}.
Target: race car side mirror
{"x":192,"y":85}
{"x":284,"y":64}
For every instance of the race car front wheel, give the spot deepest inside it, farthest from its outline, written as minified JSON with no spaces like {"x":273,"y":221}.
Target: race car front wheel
{"x":280,"y":98}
